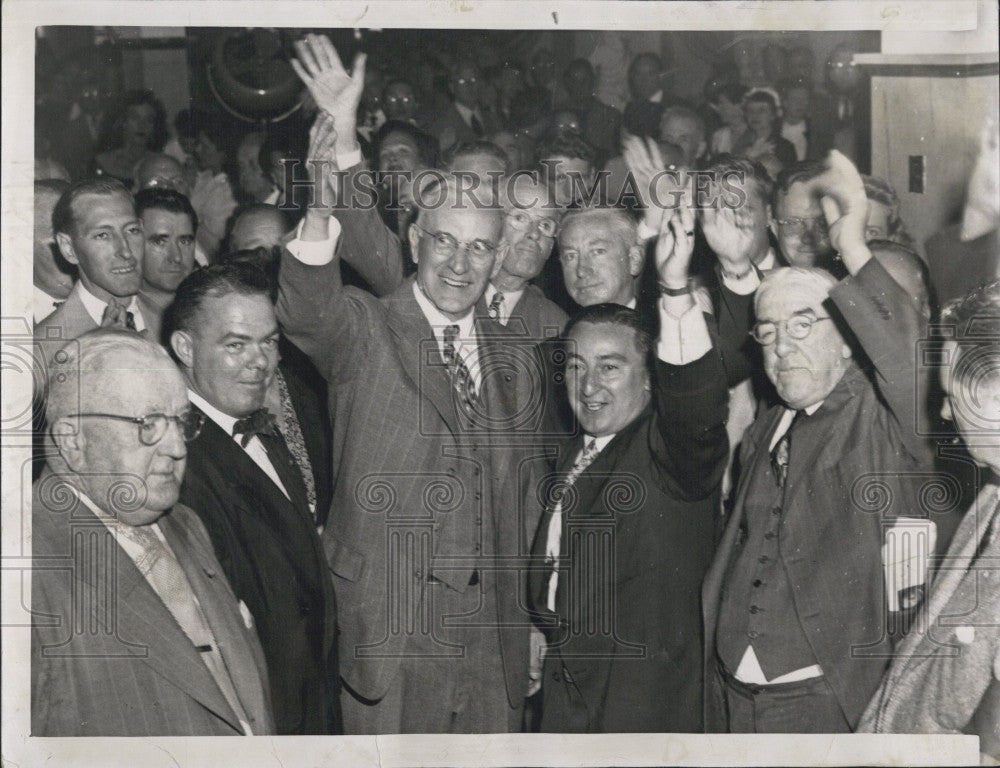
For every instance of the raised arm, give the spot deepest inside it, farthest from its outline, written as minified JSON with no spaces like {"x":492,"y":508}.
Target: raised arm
{"x":690,"y":396}
{"x":880,"y":313}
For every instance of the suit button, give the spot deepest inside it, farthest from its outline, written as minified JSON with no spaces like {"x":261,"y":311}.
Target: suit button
{"x":757,"y":582}
{"x":752,"y":635}
{"x":475,"y":547}
{"x":477,"y":495}
{"x":479,"y":519}
{"x":763,"y":559}
{"x":769,"y":535}
{"x":776,"y":511}
{"x":755,"y":609}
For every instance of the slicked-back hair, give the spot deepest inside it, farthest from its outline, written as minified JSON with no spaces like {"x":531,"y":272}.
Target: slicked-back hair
{"x":620,"y":221}
{"x":63,"y":217}
{"x":615,"y":314}
{"x":213,"y":282}
{"x":164,"y":199}
{"x":795,"y":174}
{"x":725,"y":163}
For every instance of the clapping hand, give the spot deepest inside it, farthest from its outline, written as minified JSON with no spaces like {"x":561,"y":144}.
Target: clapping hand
{"x":334,"y":89}
{"x":845,"y":205}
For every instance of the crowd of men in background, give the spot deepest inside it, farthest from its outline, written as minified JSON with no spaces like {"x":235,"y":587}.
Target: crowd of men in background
{"x":518,"y":459}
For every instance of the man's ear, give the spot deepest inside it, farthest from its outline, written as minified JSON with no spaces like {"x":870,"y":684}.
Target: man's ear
{"x":635,"y":258}
{"x":414,"y":238}
{"x":65,"y":243}
{"x":69,"y":440}
{"x":181,"y":343}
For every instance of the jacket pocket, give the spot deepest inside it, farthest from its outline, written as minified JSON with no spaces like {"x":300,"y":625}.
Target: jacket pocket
{"x":345,"y":561}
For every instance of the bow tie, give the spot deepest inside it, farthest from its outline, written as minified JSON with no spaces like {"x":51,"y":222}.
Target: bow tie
{"x":260,"y":422}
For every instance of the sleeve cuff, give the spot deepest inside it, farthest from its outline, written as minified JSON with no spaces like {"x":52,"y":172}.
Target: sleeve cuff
{"x":319,"y":252}
{"x":683,"y":339}
{"x":350,"y":159}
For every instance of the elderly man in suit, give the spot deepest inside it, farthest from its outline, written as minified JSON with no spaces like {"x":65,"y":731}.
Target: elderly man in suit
{"x":621,"y":558}
{"x":530,"y":225}
{"x":250,"y":493}
{"x":97,"y":229}
{"x":945,"y":677}
{"x":167,"y":651}
{"x":434,"y":505}
{"x":797,"y":615}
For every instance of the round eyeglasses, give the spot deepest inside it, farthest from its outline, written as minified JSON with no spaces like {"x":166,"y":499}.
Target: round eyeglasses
{"x":797,"y":327}
{"x":795,"y":225}
{"x":446,"y":245}
{"x":547,"y":227}
{"x":153,"y":426}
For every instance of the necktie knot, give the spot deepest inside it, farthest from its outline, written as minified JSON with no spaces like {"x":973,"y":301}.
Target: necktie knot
{"x":260,"y":422}
{"x":495,"y":305}
{"x":117,"y":315}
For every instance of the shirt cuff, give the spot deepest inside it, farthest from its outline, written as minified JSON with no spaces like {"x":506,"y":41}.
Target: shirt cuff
{"x":319,"y":252}
{"x":683,"y":339}
{"x":349,"y":159}
{"x":742,"y":286}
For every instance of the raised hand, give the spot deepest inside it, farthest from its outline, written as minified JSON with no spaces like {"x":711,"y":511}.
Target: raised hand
{"x":645,"y":163}
{"x":731,"y":235}
{"x":675,"y":245}
{"x":842,"y":196}
{"x":321,"y":161}
{"x":334,"y":89}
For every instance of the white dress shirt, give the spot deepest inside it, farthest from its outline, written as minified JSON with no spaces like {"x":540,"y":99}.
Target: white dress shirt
{"x":467,"y":341}
{"x":95,"y":308}
{"x":467,"y":115}
{"x":254,"y":448}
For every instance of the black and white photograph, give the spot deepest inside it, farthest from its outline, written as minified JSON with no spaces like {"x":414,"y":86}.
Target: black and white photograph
{"x":517,"y":383}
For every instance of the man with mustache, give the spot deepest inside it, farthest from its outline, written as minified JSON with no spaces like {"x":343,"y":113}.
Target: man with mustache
{"x":243,"y":482}
{"x":796,"y":613}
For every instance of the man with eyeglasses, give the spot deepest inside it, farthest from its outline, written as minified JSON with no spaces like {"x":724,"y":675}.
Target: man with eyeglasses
{"x":247,"y":485}
{"x":138,"y":631}
{"x":798,"y":223}
{"x":798,"y":618}
{"x":531,"y":222}
{"x":435,"y":411}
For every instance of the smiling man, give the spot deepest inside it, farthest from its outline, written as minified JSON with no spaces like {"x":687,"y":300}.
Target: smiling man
{"x":252,"y":498}
{"x":435,"y":408}
{"x":619,"y":560}
{"x":169,"y":224}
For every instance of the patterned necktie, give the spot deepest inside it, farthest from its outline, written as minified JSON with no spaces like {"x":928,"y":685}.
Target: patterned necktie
{"x":554,"y":539}
{"x":495,"y":305}
{"x":781,"y":451}
{"x":461,"y":380}
{"x":161,"y":569}
{"x":117,"y":315}
{"x":294,"y":440}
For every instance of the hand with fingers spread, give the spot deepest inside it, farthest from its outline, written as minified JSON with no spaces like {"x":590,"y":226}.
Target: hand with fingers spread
{"x":645,"y":163}
{"x":842,"y":196}
{"x":732,"y":235}
{"x":321,"y":163}
{"x":335,"y":90}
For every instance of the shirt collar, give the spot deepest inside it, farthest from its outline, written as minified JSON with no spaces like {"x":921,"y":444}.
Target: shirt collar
{"x":438,"y":321}
{"x":770,"y":261}
{"x":631,"y":303}
{"x":109,"y":520}
{"x":600,"y":442}
{"x":657,"y":97}
{"x":95,"y":307}
{"x":225,"y":421}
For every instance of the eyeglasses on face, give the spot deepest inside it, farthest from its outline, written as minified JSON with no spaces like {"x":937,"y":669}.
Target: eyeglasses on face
{"x":796,"y":226}
{"x":797,"y":327}
{"x":153,"y":426}
{"x":547,"y":227}
{"x":446,"y":245}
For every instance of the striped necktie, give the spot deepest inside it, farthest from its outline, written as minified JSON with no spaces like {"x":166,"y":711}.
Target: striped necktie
{"x":461,"y":380}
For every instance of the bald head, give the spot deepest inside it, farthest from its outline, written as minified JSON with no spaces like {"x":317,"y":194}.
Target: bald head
{"x":160,"y":170}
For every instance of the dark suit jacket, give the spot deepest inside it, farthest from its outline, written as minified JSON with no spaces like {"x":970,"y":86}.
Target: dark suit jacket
{"x":271,"y":554}
{"x":535,"y":316}
{"x":450,"y":129}
{"x":133,"y":672}
{"x":625,"y":640}
{"x":852,"y":470}
{"x":400,"y":455}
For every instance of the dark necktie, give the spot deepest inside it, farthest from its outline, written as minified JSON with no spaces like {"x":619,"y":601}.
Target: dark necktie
{"x":117,"y":315}
{"x":477,"y":126}
{"x":495,"y":305}
{"x":261,"y":423}
{"x":461,"y":380}
{"x":781,"y":452}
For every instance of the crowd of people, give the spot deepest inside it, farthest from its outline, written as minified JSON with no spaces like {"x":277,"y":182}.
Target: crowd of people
{"x":506,"y":411}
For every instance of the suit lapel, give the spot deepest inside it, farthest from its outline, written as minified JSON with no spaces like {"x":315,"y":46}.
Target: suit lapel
{"x":419,"y":355}
{"x":139,"y":612}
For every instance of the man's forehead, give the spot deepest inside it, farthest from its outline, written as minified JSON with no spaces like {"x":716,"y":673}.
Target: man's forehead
{"x":792,"y":297}
{"x":799,"y":198}
{"x":398,"y":141}
{"x":602,"y":339}
{"x":133,"y":383}
{"x":486,"y":221}
{"x":158,"y":218}
{"x":101,"y":204}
